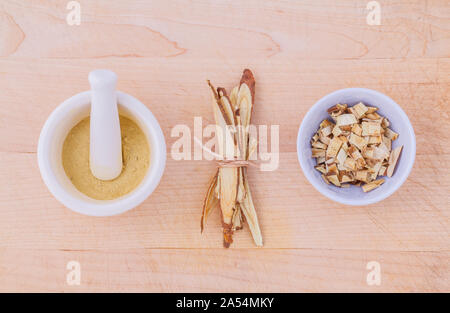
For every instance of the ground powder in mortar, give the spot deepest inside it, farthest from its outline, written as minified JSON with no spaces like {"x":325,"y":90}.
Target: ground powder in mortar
{"x":135,"y":157}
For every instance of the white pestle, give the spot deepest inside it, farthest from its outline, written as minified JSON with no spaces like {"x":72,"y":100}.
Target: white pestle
{"x":105,"y":151}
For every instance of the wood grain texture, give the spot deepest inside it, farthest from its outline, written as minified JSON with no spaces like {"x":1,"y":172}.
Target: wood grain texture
{"x":163,"y":51}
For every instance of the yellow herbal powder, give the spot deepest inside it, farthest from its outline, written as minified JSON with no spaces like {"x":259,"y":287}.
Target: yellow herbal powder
{"x":135,"y":157}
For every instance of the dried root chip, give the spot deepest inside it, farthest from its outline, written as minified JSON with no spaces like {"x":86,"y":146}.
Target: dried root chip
{"x":367,"y":152}
{"x":387,"y":142}
{"x":372,"y":185}
{"x":350,"y":164}
{"x":357,"y":130}
{"x":332,"y":169}
{"x":380,"y":152}
{"x":318,"y":153}
{"x":382,"y":171}
{"x":359,"y":110}
{"x":325,"y":140}
{"x":373,"y":116}
{"x":320,"y":160}
{"x":337,"y":131}
{"x":334,"y":180}
{"x":315,"y":138}
{"x":371,"y":129}
{"x":325,"y":123}
{"x":346,"y":179}
{"x":357,"y":141}
{"x":319,"y":145}
{"x":356,"y":149}
{"x":333,"y":147}
{"x":325,"y":179}
{"x":324,"y":132}
{"x":321,"y":168}
{"x":329,"y":161}
{"x":393,"y":159}
{"x":371,"y":110}
{"x":337,"y":110}
{"x":341,"y":156}
{"x":374,"y":170}
{"x":362,"y":175}
{"x":346,"y":119}
{"x":373,"y":139}
{"x":390,"y":134}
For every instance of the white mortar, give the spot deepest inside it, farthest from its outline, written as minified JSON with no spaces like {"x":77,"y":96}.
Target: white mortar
{"x":51,"y":140}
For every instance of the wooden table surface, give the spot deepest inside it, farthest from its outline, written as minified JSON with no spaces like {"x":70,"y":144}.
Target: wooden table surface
{"x":163,"y":51}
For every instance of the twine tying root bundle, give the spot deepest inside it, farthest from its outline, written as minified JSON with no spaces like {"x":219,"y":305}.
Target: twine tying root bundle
{"x":235,"y":163}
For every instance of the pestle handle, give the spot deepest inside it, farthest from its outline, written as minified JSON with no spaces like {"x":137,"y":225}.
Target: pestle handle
{"x":105,"y":151}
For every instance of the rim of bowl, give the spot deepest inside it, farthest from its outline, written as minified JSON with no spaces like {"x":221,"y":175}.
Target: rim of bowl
{"x":108,"y":207}
{"x":399,"y":179}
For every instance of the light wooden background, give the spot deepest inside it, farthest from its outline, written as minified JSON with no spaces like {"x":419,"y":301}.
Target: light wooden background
{"x":163,"y":51}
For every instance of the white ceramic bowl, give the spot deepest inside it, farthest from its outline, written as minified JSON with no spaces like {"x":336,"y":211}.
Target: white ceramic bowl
{"x":51,"y":140}
{"x":399,"y":123}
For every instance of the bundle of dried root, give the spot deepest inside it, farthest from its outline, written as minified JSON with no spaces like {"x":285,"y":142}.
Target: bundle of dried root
{"x":356,"y":148}
{"x":229,"y":187}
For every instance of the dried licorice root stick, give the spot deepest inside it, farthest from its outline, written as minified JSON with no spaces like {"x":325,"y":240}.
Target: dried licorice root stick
{"x":229,"y":188}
